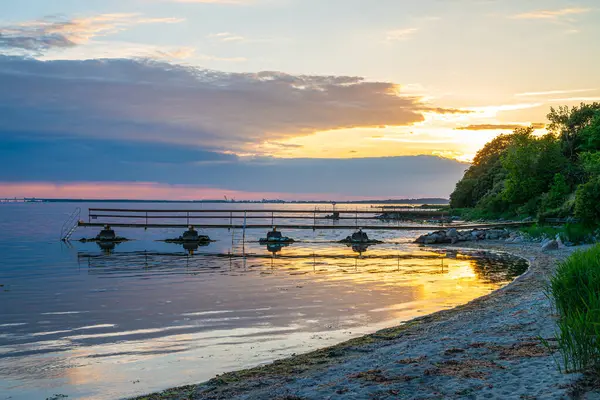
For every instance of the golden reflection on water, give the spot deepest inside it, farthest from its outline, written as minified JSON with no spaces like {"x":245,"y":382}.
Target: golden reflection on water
{"x":176,"y":318}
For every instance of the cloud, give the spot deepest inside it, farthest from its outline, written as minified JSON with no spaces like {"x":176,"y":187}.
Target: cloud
{"x":175,"y":54}
{"x":226,"y":37}
{"x":552,"y":14}
{"x":50,"y":33}
{"x":400,"y":34}
{"x":152,"y":101}
{"x":553,"y":92}
{"x":575,"y":99}
{"x":226,"y":2}
{"x":46,"y":158}
{"x":511,"y":127}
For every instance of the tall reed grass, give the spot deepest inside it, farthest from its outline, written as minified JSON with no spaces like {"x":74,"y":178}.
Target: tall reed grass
{"x":575,"y":291}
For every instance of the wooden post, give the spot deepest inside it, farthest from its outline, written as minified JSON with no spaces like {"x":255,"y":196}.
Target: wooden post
{"x":244,"y":231}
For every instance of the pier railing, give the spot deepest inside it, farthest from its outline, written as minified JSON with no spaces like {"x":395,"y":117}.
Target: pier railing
{"x":266,"y":219}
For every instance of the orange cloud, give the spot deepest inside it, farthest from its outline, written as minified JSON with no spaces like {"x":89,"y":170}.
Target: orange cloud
{"x":511,"y":127}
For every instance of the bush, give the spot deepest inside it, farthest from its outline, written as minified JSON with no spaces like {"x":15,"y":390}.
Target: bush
{"x":587,"y":202}
{"x":574,"y":233}
{"x":575,"y":291}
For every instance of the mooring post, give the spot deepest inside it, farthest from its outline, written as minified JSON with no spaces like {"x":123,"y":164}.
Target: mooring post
{"x":146,"y":227}
{"x":230,"y":219}
{"x":315,"y":220}
{"x":188,"y":218}
{"x":244,"y":231}
{"x":272,"y":219}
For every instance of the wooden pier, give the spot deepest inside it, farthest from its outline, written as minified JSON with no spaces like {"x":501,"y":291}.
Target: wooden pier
{"x":332,"y":219}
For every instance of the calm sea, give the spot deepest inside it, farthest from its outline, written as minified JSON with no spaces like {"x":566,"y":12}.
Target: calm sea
{"x":93,"y":323}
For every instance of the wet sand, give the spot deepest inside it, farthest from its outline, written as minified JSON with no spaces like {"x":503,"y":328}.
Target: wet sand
{"x":489,"y":348}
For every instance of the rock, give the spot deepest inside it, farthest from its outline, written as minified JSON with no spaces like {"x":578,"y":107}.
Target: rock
{"x":274,"y":235}
{"x":421,"y":239}
{"x":452,"y":233}
{"x":360,"y":237}
{"x":431,"y":239}
{"x":191,"y":235}
{"x":550,"y":245}
{"x":106,"y":234}
{"x":518,"y":239}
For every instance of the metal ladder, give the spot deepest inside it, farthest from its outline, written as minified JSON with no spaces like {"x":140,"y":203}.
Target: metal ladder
{"x":70,"y":225}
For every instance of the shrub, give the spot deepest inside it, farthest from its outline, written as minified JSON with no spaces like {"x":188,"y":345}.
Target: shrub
{"x":575,"y":291}
{"x":587,"y":202}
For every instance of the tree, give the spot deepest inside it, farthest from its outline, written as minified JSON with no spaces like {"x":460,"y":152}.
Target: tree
{"x":567,"y":124}
{"x":587,"y":202}
{"x":556,"y":196}
{"x":531,"y":164}
{"x":483,"y":176}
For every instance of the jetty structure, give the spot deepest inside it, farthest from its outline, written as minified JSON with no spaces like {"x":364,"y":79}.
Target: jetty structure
{"x":265,"y":219}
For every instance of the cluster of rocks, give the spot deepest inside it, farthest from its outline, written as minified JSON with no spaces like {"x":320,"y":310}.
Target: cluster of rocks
{"x":275,"y":237}
{"x":106,"y":235}
{"x":190,"y":236}
{"x":454,"y":236}
{"x":359,"y":237}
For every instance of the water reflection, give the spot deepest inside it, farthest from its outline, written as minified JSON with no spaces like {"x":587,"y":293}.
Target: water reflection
{"x":183,"y":314}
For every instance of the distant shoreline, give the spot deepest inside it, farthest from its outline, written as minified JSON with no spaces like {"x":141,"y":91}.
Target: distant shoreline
{"x":433,"y":201}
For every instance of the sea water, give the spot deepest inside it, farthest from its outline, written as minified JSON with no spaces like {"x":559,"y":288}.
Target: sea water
{"x":87,"y":322}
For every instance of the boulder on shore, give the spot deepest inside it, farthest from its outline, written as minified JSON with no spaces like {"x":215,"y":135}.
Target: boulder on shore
{"x":550,"y":245}
{"x":454,"y":236}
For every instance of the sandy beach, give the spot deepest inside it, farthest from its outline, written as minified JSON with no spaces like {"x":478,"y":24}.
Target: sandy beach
{"x":489,"y":348}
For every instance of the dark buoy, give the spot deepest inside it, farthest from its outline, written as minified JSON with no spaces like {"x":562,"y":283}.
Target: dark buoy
{"x":106,"y":234}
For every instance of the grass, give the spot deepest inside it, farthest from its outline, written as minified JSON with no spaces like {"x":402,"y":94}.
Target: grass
{"x":574,"y":233}
{"x":575,"y":291}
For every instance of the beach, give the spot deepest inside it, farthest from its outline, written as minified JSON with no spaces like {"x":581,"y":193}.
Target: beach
{"x":499,"y":346}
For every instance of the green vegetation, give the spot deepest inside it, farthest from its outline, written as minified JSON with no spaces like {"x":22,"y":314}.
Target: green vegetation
{"x":575,"y":291}
{"x":568,"y":233}
{"x":522,"y":174}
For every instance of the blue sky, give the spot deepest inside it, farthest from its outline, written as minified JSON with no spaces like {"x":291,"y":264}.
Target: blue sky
{"x":235,"y":81}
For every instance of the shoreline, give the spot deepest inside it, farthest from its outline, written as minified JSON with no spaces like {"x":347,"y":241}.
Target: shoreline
{"x":489,"y":347}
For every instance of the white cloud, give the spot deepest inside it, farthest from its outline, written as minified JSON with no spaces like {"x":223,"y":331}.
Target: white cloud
{"x":552,"y":14}
{"x":46,"y":34}
{"x":226,"y":37}
{"x":400,"y":34}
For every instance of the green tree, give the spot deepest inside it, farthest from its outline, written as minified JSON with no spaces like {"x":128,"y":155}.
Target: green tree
{"x":587,"y":202}
{"x":556,"y":196}
{"x":567,"y":124}
{"x":485,"y":174}
{"x":531,"y":164}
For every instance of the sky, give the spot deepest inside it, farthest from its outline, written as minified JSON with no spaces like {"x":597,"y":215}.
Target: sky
{"x":291,"y":99}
